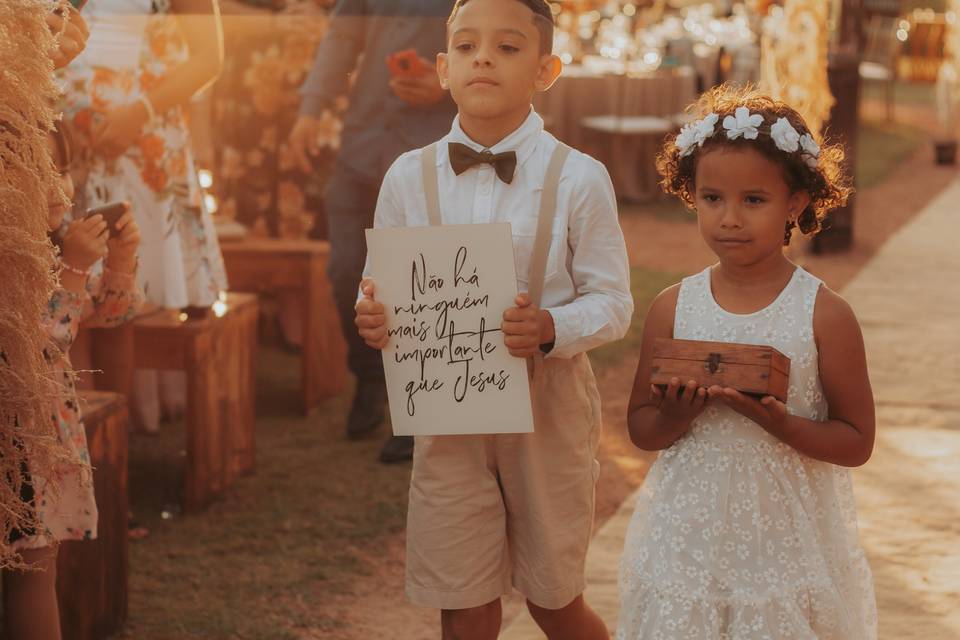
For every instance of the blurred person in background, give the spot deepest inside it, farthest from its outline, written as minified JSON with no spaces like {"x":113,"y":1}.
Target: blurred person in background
{"x":125,"y":96}
{"x":391,"y":109}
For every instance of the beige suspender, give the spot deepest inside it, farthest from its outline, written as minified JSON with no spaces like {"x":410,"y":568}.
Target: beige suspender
{"x":545,"y":217}
{"x":548,"y":212}
{"x":430,"y":187}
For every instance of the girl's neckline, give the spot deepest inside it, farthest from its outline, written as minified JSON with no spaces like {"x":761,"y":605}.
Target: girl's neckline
{"x":776,"y":301}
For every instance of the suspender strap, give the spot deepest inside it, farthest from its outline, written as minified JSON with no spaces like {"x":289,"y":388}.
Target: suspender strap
{"x":431,"y":188}
{"x":548,"y":210}
{"x":545,"y":218}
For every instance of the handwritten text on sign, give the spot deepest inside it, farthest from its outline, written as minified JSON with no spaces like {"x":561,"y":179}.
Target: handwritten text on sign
{"x":444,"y":290}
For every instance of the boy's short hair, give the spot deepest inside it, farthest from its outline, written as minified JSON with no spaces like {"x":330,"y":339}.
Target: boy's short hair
{"x":542,"y":19}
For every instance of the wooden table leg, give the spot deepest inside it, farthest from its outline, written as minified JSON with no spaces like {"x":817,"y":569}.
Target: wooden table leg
{"x":202,"y":477}
{"x":323,"y":363}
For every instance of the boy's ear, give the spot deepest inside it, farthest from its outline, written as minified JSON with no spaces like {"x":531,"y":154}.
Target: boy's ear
{"x":442,"y":71}
{"x":550,"y":69}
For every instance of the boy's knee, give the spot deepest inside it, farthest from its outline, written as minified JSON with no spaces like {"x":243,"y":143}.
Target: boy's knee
{"x":574,"y":620}
{"x":475,"y":623}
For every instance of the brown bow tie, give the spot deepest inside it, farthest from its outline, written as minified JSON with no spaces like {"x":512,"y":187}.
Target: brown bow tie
{"x":463,"y":157}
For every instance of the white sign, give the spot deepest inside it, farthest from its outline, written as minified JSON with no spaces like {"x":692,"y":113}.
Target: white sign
{"x":444,"y":290}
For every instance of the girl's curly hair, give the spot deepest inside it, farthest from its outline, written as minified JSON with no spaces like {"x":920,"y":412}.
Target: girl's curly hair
{"x":828,"y":183}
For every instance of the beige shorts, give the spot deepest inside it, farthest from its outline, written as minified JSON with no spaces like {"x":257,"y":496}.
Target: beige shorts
{"x":490,"y":512}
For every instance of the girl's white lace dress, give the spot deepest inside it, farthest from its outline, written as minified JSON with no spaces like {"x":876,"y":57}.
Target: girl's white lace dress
{"x":736,"y":535}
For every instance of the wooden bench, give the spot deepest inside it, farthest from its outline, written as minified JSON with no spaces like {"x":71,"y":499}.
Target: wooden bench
{"x":269,"y":265}
{"x":217,"y":353}
{"x":92,"y":574}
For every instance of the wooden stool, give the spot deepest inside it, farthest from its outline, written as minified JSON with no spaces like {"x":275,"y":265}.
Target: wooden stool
{"x":261,"y":265}
{"x":92,"y":574}
{"x":217,"y":353}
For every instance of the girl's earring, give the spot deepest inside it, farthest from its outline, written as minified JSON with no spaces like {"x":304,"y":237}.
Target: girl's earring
{"x":788,"y":234}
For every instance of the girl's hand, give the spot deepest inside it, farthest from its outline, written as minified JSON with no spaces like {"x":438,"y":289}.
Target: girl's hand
{"x":122,"y":247}
{"x":119,"y":129}
{"x":679,"y":407}
{"x":85,"y":242}
{"x":768,"y":412}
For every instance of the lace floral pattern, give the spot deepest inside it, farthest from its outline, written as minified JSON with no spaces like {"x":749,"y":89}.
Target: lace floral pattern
{"x":736,"y":535}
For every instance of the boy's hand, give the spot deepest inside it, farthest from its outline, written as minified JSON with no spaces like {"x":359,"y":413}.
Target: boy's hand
{"x":525,"y":328}
{"x":768,"y":412}
{"x":122,"y":248}
{"x":371,"y":320}
{"x":680,"y":407}
{"x":85,"y":242}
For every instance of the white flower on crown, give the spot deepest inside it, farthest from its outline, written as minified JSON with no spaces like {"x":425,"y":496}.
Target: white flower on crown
{"x":743,"y":123}
{"x":785,"y":136}
{"x":810,"y":149}
{"x":695,"y":134}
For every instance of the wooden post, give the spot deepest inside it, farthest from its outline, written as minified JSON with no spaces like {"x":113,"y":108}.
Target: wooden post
{"x":844,"y":71}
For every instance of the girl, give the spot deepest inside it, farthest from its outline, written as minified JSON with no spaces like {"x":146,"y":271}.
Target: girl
{"x":69,"y":512}
{"x":746,"y":527}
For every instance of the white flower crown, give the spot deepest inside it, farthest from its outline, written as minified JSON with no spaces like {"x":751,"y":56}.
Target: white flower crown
{"x":747,"y":125}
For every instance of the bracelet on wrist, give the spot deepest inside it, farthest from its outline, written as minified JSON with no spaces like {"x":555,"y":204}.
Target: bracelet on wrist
{"x":71,"y":269}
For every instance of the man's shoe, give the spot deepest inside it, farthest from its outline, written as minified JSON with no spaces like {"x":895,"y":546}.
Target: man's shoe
{"x":397,"y":449}
{"x":367,"y":412}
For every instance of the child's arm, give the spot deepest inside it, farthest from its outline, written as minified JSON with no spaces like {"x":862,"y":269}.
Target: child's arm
{"x":846,"y":437}
{"x":603,"y":307}
{"x":115,"y":296}
{"x":656,"y":419}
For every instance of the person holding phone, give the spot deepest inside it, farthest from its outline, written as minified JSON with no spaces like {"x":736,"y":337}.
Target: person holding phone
{"x":126,"y":96}
{"x":396,"y":104}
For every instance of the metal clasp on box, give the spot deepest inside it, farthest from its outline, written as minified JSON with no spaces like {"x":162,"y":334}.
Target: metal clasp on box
{"x":713,"y":363}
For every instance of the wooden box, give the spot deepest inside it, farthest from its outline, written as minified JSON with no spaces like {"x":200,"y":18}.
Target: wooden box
{"x":92,"y":574}
{"x":750,"y":369}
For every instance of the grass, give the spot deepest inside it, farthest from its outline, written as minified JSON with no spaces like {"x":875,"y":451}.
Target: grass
{"x":645,"y":285}
{"x":904,"y":92}
{"x":881,"y":149}
{"x":262,"y":562}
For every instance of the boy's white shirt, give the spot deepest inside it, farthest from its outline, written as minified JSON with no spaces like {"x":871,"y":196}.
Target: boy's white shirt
{"x":587,"y":288}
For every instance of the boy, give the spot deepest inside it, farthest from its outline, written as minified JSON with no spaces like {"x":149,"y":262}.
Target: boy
{"x":490,"y":512}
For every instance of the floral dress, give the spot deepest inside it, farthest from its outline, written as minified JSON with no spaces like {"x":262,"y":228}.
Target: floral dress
{"x":737,"y":535}
{"x":70,"y":512}
{"x":255,"y":104}
{"x":133,"y":45}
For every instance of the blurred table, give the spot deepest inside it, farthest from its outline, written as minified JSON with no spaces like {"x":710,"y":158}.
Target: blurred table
{"x":259,"y":265}
{"x":580,"y":94}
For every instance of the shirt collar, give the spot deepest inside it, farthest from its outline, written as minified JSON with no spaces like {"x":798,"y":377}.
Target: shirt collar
{"x":523,"y":140}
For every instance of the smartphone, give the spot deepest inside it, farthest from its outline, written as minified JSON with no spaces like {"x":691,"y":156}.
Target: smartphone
{"x":111,"y":213}
{"x":405,"y":64}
